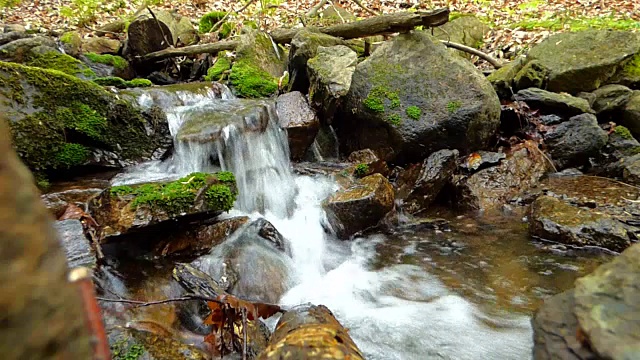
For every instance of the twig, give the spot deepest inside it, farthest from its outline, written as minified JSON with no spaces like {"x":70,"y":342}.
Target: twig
{"x":490,"y":59}
{"x":159,"y":302}
{"x":314,"y":10}
{"x":359,"y":3}
{"x":337,"y":12}
{"x":102,"y":31}
{"x":221,"y":21}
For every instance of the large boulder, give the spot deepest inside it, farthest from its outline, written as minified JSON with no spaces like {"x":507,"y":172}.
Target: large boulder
{"x":60,"y":122}
{"x":411,"y":97}
{"x":610,"y":98}
{"x":466,"y":30}
{"x":553,"y":219}
{"x":585,"y":60}
{"x":124,"y":209}
{"x":572,"y":142}
{"x":607,"y":307}
{"x":296,"y":116}
{"x":552,"y":103}
{"x":330,"y":73}
{"x":631,"y":114}
{"x":360,"y":206}
{"x":144,"y":37}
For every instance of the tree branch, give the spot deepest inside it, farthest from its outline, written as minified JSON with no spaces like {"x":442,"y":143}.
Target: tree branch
{"x":359,"y":3}
{"x":493,"y":61}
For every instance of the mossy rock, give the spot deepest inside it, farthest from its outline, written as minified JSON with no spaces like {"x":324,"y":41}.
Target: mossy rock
{"x":304,"y":46}
{"x":222,"y":64}
{"x":209,"y":19}
{"x":121,"y":83}
{"x":259,"y":65}
{"x":466,"y":30}
{"x":59,"y":121}
{"x":123,"y":209}
{"x":46,"y":58}
{"x":502,"y":79}
{"x":71,"y":42}
{"x":107,"y":65}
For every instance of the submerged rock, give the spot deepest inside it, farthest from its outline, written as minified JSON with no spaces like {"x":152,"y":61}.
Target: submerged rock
{"x":548,"y":102}
{"x":572,"y":142}
{"x":552,"y":219}
{"x":75,"y":243}
{"x":607,"y":308}
{"x":304,"y":46}
{"x":300,"y":121}
{"x":411,"y":97}
{"x":123,"y":209}
{"x":360,"y":206}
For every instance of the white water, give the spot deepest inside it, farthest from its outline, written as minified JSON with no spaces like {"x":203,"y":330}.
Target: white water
{"x":399,"y":312}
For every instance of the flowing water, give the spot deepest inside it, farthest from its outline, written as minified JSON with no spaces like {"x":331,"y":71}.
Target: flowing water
{"x":463,"y":293}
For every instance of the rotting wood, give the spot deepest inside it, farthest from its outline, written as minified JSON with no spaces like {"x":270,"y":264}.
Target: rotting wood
{"x":378,"y":25}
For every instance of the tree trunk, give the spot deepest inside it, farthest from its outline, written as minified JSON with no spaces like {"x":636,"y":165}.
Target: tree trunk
{"x":147,"y":34}
{"x":310,"y":332}
{"x":383,"y":24}
{"x":41,"y":312}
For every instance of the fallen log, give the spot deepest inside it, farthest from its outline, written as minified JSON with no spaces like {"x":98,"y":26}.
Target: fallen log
{"x":378,"y":25}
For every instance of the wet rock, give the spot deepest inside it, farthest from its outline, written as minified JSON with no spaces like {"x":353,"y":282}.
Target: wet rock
{"x":631,"y":114}
{"x":490,"y":188}
{"x":610,"y":98}
{"x":434,"y":174}
{"x":407,"y":101}
{"x":252,"y":264}
{"x":304,"y":46}
{"x":150,"y":343}
{"x":585,"y":60}
{"x":482,"y":159}
{"x":551,"y":119}
{"x":101,"y":45}
{"x":330,"y":73}
{"x":300,"y":121}
{"x":124,"y":209}
{"x":552,"y":219}
{"x":367,"y":163}
{"x":607,"y":309}
{"x":57,"y":202}
{"x":310,"y":332}
{"x":555,"y":330}
{"x":571,"y":143}
{"x":549,"y":102}
{"x":631,"y":169}
{"x":467,"y":30}
{"x":199,"y":239}
{"x":75,"y":243}
{"x":359,"y":207}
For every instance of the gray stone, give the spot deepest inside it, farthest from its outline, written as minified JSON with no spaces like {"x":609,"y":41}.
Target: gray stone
{"x":296,"y":116}
{"x":631,"y":114}
{"x":571,"y":143}
{"x":466,"y":30}
{"x":631,"y":169}
{"x":101,"y":45}
{"x":552,"y":103}
{"x":610,"y":98}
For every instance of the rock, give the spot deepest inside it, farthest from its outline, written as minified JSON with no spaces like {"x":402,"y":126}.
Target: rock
{"x":433,"y":175}
{"x":367,"y":163}
{"x":296,"y":116}
{"x":33,"y":269}
{"x":555,"y":330}
{"x":590,"y":97}
{"x":610,"y":98}
{"x":143,"y":36}
{"x":631,"y":169}
{"x":101,"y":45}
{"x":571,"y":143}
{"x":482,"y":160}
{"x":76,"y":244}
{"x":359,"y":207}
{"x":330,"y":73}
{"x":304,"y":46}
{"x":408,"y":100}
{"x":610,"y":162}
{"x":491,"y":188}
{"x":585,"y":60}
{"x":502,"y":79}
{"x":20,"y":51}
{"x":552,"y":219}
{"x":107,"y":65}
{"x":466,"y":30}
{"x":310,"y":332}
{"x":143,"y":340}
{"x":6,"y":38}
{"x":252,"y":264}
{"x":607,"y":309}
{"x":552,"y":103}
{"x":117,"y":26}
{"x":14,"y":28}
{"x":258,"y":67}
{"x":71,"y":43}
{"x":75,"y":123}
{"x":631,"y":114}
{"x":124,"y":209}
{"x":199,"y":239}
{"x":57,"y":202}
{"x":532,"y":74}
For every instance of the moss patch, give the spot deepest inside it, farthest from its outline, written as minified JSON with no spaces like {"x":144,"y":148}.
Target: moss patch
{"x":632,"y":67}
{"x":623,"y":132}
{"x":121,"y":83}
{"x":453,"y":106}
{"x":250,"y":81}
{"x":122,"y":351}
{"x":72,"y":155}
{"x":394,"y":119}
{"x":208,"y":20}
{"x":178,"y":196}
{"x":61,"y":62}
{"x":111,"y":60}
{"x":222,"y":64}
{"x":375,"y":99}
{"x":361,"y":170}
{"x":414,"y":112}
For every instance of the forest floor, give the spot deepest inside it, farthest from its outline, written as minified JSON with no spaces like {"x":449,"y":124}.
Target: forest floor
{"x":515,"y":24}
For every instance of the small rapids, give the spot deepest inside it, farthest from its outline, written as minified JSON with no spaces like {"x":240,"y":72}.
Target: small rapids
{"x":398,"y":300}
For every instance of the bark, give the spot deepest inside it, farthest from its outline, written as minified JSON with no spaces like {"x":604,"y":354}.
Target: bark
{"x":310,"y":332}
{"x":41,"y":313}
{"x":147,"y":34}
{"x":383,"y":24}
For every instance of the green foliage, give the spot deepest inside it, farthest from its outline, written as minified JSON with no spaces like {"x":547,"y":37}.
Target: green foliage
{"x":414,"y":112}
{"x":394,"y":119}
{"x":375,"y":99}
{"x":361,"y":170}
{"x":61,"y":62}
{"x":216,"y":71}
{"x":72,"y":155}
{"x":453,"y":106}
{"x":121,"y":83}
{"x":42,"y":182}
{"x":250,"y":81}
{"x":560,"y":21}
{"x":208,"y":20}
{"x":112,"y":60}
{"x":68,"y":37}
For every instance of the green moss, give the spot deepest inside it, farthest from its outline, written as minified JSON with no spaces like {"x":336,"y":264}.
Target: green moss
{"x":222,"y":64}
{"x":121,"y":83}
{"x":122,"y":351}
{"x":178,"y":196}
{"x":226,"y":29}
{"x":250,"y":81}
{"x":83,"y":119}
{"x":361,"y":170}
{"x":208,"y":20}
{"x":72,"y":155}
{"x":623,"y":132}
{"x":569,"y":22}
{"x":453,"y":106}
{"x":394,"y":119}
{"x":67,"y":38}
{"x":375,"y":100}
{"x":61,"y":62}
{"x":139,"y":83}
{"x":414,"y":112}
{"x":111,"y":60}
{"x":632,"y":67}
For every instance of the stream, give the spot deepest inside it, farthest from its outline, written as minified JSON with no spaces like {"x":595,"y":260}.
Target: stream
{"x":463,"y":292}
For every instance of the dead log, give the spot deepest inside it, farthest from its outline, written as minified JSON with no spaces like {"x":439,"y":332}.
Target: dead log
{"x":378,"y":25}
{"x":310,"y":332}
{"x":147,"y":33}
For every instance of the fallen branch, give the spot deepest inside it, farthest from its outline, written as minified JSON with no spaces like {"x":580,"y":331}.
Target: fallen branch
{"x":490,"y":59}
{"x":314,"y":10}
{"x":383,"y":24}
{"x":359,"y":3}
{"x":160,"y":302}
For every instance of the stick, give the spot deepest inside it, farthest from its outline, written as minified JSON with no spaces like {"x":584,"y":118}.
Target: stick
{"x":314,"y":10}
{"x":359,"y":3}
{"x":493,"y":61}
{"x":219,"y":23}
{"x":159,"y":302}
